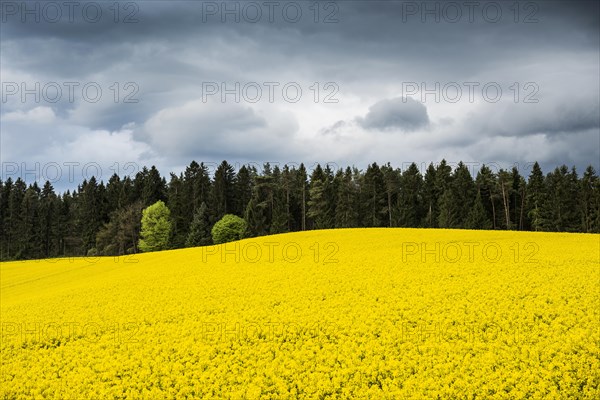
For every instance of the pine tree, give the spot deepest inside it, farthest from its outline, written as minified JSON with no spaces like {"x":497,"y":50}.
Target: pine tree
{"x":504,"y":185}
{"x":447,"y":217}
{"x":5,"y":189}
{"x":200,"y":228}
{"x":486,"y":186}
{"x":517,"y":199}
{"x":279,"y":217}
{"x":71,"y":243}
{"x":463,"y":191}
{"x":448,"y":189}
{"x":589,"y":201}
{"x":302,"y":193}
{"x":114,"y":188}
{"x":242,"y":190}
{"x":287,"y":193}
{"x":121,"y":234}
{"x":559,"y":210}
{"x":90,"y":213}
{"x":318,"y":209}
{"x":346,"y":215}
{"x":374,"y":197}
{"x":15,"y":227}
{"x":196,"y":189}
{"x":392,"y":178}
{"x":535,"y":198}
{"x":255,"y":219}
{"x":477,"y":217}
{"x":430,"y":198}
{"x":47,"y":221}
{"x":176,"y":202}
{"x":30,"y":243}
{"x":410,"y":200}
{"x":259,"y":213}
{"x":223,"y":194}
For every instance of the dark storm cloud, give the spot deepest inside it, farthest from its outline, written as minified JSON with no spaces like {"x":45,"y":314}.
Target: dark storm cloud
{"x":399,"y":113}
{"x":370,"y":52}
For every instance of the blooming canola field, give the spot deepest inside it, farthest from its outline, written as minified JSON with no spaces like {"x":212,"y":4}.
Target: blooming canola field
{"x":350,"y":313}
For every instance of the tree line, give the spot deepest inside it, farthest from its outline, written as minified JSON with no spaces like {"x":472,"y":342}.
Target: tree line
{"x":105,"y":219}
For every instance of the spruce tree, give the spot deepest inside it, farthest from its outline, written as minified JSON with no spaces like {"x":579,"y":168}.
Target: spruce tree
{"x":535,"y":198}
{"x":410,"y":206}
{"x":346,"y":215}
{"x":200,"y":228}
{"x":374,"y":197}
{"x":477,"y":217}
{"x":223,"y":193}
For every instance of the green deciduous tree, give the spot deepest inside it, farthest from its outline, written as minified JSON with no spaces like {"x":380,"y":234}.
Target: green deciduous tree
{"x":229,"y":228}
{"x":156,"y":227}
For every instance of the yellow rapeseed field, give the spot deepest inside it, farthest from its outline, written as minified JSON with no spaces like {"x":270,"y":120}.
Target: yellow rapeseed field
{"x":356,"y":313}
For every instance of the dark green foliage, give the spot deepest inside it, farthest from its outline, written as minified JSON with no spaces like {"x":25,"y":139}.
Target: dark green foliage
{"x":121,"y":234}
{"x":373,"y":197}
{"x":223,"y":191}
{"x":589,"y":201}
{"x":410,"y":198}
{"x":346,"y":211}
{"x":106,"y":219}
{"x":318,"y":204}
{"x":200,"y":228}
{"x":477,"y":217}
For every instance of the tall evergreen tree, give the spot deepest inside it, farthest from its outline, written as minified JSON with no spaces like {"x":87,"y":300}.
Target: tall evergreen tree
{"x":223,"y":191}
{"x":318,"y":209}
{"x":48,"y":221}
{"x":279,"y":217}
{"x":589,"y":201}
{"x":504,"y":185}
{"x":200,"y":228}
{"x":15,"y":227}
{"x":392,"y":179}
{"x":302,"y":193}
{"x":30,"y":242}
{"x":179,"y":206}
{"x":446,"y":216}
{"x":430,"y":197}
{"x":486,"y":186}
{"x":346,"y":215}
{"x":242,"y":190}
{"x":410,"y":200}
{"x":535,"y":198}
{"x":90,"y":213}
{"x":121,"y":234}
{"x":560,"y":211}
{"x":517,"y":199}
{"x":374,"y":197}
{"x":5,"y":190}
{"x":477,"y":217}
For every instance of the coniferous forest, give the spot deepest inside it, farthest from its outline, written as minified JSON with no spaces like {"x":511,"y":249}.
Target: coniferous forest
{"x":100,"y":218}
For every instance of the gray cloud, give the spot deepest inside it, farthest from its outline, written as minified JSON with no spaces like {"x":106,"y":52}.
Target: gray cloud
{"x":369,"y":53}
{"x":400,"y":113}
{"x":213,"y":130}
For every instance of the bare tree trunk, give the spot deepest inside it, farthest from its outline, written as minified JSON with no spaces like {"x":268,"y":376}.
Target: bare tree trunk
{"x":287,"y":215}
{"x":493,"y":212}
{"x":522,"y":208}
{"x":303,"y":207}
{"x":430,"y":215}
{"x":390,"y":208}
{"x":506,"y":207}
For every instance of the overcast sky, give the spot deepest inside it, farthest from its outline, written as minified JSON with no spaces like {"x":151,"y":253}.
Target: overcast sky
{"x":345,"y":82}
